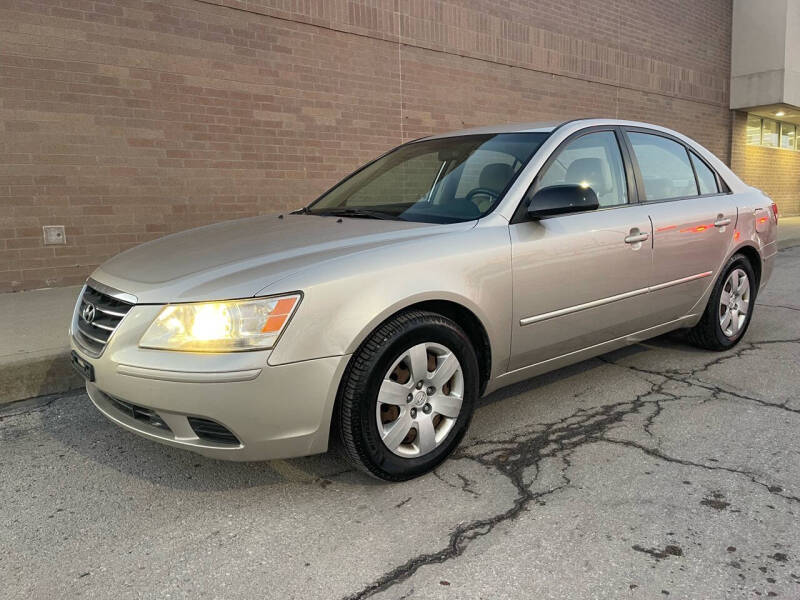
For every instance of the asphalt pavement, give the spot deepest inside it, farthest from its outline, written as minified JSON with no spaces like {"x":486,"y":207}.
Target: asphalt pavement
{"x":657,"y":471}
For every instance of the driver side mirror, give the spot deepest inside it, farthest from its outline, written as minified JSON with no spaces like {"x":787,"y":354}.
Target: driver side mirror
{"x":562,"y":199}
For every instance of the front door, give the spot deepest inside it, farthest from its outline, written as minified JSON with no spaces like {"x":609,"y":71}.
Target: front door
{"x":581,"y":279}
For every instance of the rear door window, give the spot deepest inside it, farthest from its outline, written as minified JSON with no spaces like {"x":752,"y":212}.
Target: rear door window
{"x":664,"y":165}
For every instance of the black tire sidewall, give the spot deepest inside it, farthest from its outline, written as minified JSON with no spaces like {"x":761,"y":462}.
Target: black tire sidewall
{"x":380,"y":460}
{"x":738,"y":261}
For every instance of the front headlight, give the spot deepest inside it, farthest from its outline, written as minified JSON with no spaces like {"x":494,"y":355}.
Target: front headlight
{"x":229,"y":326}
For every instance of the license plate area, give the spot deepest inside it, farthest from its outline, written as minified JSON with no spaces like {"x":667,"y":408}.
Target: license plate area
{"x":83,"y":368}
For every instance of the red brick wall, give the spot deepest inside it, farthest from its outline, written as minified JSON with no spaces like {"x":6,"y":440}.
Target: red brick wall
{"x":774,"y":171}
{"x":126,"y":120}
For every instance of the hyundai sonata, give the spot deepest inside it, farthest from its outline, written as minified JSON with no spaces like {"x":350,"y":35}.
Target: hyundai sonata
{"x":451,"y":266}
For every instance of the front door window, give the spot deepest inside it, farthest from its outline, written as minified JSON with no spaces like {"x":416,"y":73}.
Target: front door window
{"x":593,"y":160}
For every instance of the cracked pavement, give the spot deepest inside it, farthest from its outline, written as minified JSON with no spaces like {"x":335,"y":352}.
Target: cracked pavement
{"x":656,"y":471}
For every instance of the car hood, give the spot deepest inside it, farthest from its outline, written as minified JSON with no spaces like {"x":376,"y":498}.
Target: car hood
{"x":237,"y":259}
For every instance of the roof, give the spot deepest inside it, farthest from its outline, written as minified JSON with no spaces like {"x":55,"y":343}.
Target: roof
{"x":540,"y":127}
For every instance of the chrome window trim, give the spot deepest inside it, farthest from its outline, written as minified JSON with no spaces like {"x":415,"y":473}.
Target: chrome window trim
{"x":679,"y":198}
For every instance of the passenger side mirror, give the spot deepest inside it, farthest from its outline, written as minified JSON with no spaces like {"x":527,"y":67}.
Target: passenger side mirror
{"x":562,"y":199}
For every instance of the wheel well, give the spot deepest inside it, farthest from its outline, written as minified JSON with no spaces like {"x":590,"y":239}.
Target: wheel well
{"x":465,"y":318}
{"x":472,"y":327}
{"x":755,"y":260}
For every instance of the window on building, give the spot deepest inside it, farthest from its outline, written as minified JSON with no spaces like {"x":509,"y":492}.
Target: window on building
{"x":753,"y":130}
{"x":665,"y":167}
{"x":769,"y":133}
{"x":706,"y":179}
{"x":761,"y":131}
{"x":788,"y":136}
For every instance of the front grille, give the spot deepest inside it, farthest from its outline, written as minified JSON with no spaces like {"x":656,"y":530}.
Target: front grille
{"x":104,"y":314}
{"x":140,"y":413}
{"x":212,"y":431}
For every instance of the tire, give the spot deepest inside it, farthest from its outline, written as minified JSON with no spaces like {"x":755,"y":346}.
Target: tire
{"x":382,"y":369}
{"x":709,"y":332}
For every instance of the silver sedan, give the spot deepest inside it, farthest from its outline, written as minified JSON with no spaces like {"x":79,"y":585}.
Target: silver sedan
{"x":375,"y":317}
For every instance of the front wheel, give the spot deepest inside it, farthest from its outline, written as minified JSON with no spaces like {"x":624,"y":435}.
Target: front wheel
{"x":407,"y":397}
{"x":729,"y":308}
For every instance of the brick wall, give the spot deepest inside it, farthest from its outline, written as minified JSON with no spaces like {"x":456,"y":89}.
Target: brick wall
{"x":774,"y":171}
{"x":126,"y":120}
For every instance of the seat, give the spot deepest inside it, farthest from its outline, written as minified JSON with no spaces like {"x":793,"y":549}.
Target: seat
{"x":583,"y":171}
{"x":495,"y":176}
{"x":658,"y":188}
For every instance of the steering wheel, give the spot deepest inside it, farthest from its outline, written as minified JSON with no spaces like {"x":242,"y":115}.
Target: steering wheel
{"x":482,"y":191}
{"x":494,"y":195}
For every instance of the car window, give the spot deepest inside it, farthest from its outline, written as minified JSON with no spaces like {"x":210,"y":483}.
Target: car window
{"x":664,"y":166}
{"x":592,"y":160}
{"x":410,"y":179}
{"x":706,"y":179}
{"x":442,"y":180}
{"x":474,"y":175}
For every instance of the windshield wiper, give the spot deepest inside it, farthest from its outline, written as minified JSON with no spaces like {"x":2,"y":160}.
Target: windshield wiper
{"x":301,"y":211}
{"x":358,"y":213}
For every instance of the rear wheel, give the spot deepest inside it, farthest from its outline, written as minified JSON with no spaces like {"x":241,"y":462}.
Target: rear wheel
{"x":407,"y":397}
{"x":729,"y":308}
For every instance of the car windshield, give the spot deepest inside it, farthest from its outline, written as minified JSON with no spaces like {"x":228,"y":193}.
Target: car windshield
{"x":443,"y":180}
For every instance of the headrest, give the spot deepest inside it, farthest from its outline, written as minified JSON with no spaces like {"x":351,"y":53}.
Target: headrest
{"x":591,"y":171}
{"x":495,"y":176}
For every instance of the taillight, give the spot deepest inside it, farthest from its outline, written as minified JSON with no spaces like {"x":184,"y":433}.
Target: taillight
{"x":775,"y":211}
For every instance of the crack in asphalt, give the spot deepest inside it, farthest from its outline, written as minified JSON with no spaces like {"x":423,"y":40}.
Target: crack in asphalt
{"x":655,"y":453}
{"x":466,"y":483}
{"x":690,"y":378}
{"x":522,"y":453}
{"x":34,"y":405}
{"x":39,"y":407}
{"x":786,"y":306}
{"x":514,"y":457}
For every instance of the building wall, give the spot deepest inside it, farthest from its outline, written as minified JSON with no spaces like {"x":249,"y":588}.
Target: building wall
{"x":774,"y":171}
{"x":125,"y":121}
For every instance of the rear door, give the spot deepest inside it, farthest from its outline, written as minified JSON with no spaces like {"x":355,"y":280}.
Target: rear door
{"x":580,"y":279}
{"x":693,"y":220}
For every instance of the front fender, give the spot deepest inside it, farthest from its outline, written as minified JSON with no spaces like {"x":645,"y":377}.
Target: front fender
{"x":345,"y":299}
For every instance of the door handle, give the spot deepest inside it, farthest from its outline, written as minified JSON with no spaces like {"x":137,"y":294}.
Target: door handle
{"x":635,"y":238}
{"x":722,"y":221}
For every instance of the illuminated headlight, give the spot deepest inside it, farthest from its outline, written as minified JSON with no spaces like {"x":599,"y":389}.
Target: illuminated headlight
{"x":230,"y":326}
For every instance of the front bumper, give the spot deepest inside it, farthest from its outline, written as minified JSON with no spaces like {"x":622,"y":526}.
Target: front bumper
{"x":273,"y":411}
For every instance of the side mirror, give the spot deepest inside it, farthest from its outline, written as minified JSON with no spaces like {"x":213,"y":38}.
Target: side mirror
{"x":562,"y":199}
